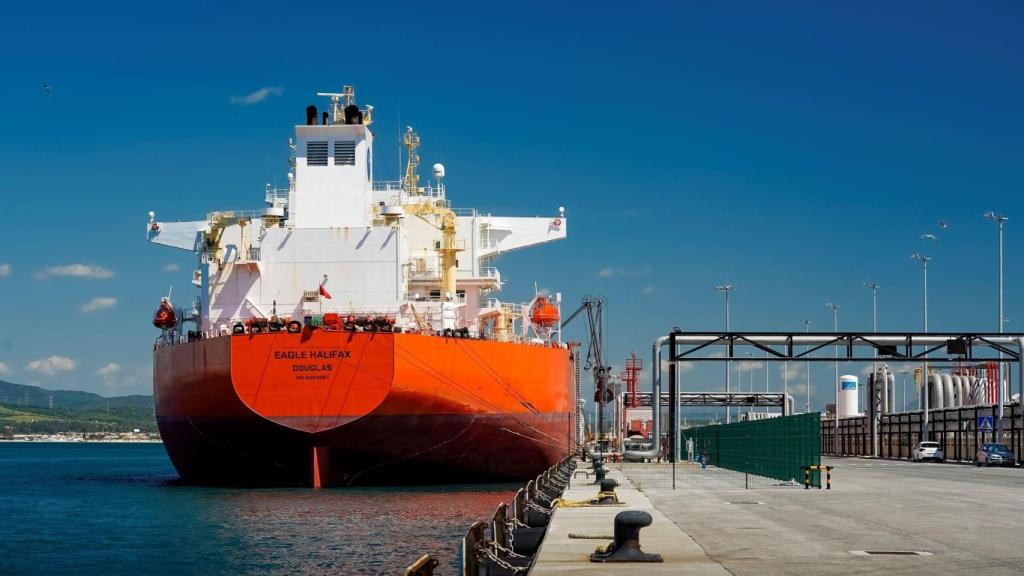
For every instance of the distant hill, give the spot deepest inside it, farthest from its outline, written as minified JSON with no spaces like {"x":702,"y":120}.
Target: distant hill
{"x":28,"y":396}
{"x":31,"y":409}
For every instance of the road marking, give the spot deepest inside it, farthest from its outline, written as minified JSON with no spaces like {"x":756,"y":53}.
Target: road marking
{"x":890,"y":553}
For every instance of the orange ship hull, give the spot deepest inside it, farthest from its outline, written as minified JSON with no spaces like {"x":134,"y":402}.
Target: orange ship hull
{"x":323,"y":408}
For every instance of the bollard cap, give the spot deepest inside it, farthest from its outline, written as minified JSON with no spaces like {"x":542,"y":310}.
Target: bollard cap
{"x":633,"y":519}
{"x":609,"y":484}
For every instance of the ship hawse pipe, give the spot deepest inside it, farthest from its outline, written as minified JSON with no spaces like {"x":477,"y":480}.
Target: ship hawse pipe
{"x":655,"y":450}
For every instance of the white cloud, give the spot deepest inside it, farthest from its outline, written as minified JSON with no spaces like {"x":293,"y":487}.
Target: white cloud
{"x":4,"y":369}
{"x":91,"y":271}
{"x":97,"y":304}
{"x":257,"y":96}
{"x":172,"y":267}
{"x":109,"y":370}
{"x":792,"y":371}
{"x":684,"y":366}
{"x":609,"y":272}
{"x":750,"y":364}
{"x":52,"y":365}
{"x":647,"y":290}
{"x":5,"y":270}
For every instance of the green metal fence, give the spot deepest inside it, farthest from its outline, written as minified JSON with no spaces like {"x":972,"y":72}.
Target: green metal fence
{"x":777,"y":448}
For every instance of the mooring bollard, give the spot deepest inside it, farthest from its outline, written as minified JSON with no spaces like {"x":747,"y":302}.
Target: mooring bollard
{"x":599,"y":474}
{"x":607,"y":494}
{"x":626,"y":546}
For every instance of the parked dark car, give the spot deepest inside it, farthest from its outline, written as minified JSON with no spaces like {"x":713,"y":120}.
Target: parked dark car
{"x":993,"y":454}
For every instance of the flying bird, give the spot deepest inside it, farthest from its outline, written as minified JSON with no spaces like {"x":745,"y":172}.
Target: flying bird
{"x":943,"y":224}
{"x":47,"y":88}
{"x":929,"y":237}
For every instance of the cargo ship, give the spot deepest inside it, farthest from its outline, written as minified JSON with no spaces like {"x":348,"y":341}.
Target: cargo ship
{"x":348,"y":332}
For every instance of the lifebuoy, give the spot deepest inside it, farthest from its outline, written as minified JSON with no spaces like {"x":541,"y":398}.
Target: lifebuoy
{"x":294,"y":327}
{"x":557,"y":222}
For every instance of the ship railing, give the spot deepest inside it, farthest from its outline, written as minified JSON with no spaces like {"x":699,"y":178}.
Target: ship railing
{"x":275,"y":194}
{"x":173,"y":337}
{"x":234,"y":215}
{"x":399,"y":186}
{"x":435,"y":296}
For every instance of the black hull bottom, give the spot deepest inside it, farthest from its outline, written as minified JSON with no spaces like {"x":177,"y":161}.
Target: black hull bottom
{"x":374,"y":450}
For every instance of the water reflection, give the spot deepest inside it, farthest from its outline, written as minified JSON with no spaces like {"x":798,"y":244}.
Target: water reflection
{"x":116,"y":510}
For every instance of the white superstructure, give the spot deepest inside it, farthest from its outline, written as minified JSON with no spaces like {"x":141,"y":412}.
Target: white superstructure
{"x":394,"y":249}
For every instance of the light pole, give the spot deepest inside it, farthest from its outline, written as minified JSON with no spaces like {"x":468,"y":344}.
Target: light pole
{"x":766,"y":363}
{"x":999,"y":219}
{"x":750,"y":372}
{"x":807,"y":369}
{"x":727,"y":290}
{"x":924,"y":260}
{"x":835,"y":326}
{"x":874,"y":329}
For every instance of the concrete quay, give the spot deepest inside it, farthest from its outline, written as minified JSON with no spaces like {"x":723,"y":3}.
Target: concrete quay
{"x":963,"y":520}
{"x":562,"y":554}
{"x":919,"y":519}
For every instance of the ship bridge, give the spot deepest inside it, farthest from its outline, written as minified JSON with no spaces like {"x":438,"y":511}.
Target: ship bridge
{"x":336,"y":241}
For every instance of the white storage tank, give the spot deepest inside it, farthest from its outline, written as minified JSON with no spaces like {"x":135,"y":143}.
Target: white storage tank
{"x":847,"y":396}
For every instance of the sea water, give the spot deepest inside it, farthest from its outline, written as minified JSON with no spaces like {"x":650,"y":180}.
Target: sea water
{"x":115,"y":508}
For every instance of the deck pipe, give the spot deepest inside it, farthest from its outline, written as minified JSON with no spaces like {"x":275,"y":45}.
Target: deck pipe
{"x":655,"y":450}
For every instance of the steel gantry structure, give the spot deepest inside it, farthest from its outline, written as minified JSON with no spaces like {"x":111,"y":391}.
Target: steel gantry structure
{"x":867,"y":347}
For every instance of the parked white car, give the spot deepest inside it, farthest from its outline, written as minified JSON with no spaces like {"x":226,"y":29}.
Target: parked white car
{"x":927,"y":451}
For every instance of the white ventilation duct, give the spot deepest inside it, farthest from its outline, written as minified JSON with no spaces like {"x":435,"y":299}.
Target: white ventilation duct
{"x":890,"y":380}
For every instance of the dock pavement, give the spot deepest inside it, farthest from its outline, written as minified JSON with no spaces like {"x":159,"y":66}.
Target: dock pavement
{"x":575,"y":532}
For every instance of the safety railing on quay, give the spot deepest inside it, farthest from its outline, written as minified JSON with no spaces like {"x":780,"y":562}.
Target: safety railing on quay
{"x":507,"y":544}
{"x":960,"y":432}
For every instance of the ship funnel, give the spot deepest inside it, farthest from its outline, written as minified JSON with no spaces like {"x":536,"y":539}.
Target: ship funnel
{"x":353,"y":115}
{"x":310,"y":115}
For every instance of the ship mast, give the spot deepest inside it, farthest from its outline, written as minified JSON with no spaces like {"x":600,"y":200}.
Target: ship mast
{"x":447,"y":249}
{"x":411,"y":141}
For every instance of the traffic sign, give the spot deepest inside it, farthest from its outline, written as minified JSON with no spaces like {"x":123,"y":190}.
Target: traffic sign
{"x":985,"y":423}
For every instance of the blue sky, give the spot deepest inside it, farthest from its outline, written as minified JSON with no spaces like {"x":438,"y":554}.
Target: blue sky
{"x":793,"y":149}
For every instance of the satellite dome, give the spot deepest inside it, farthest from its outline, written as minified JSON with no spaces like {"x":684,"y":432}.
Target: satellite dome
{"x":438,"y":170}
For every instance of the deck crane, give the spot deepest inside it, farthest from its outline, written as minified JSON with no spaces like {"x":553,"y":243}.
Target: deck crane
{"x":603,"y":393}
